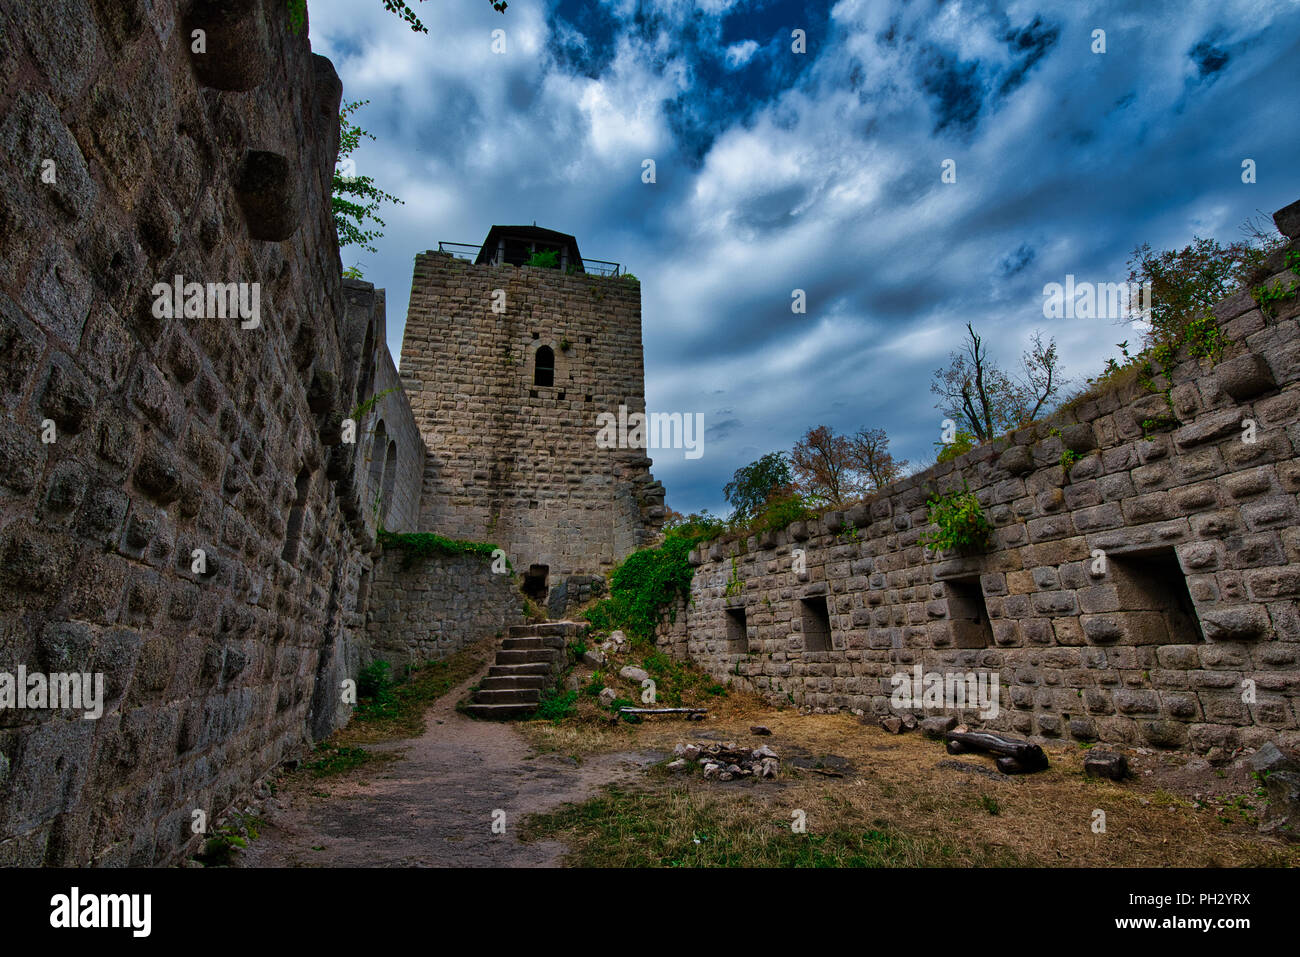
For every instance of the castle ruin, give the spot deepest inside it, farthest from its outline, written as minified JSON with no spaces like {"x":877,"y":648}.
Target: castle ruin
{"x":181,"y":510}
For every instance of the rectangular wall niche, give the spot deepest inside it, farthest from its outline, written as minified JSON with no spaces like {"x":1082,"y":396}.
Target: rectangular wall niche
{"x":737,"y":634}
{"x":967,"y":614}
{"x":1157,"y":607}
{"x":816,"y":623}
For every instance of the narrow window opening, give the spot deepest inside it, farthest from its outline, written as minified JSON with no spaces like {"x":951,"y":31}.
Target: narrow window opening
{"x":363,"y":593}
{"x":968,"y":614}
{"x":737,"y":633}
{"x":544,"y":367}
{"x":816,"y":622}
{"x":390,"y":481}
{"x":378,"y":445}
{"x":293,"y":534}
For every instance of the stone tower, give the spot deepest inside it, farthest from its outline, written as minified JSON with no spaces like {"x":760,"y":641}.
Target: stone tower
{"x":507,"y":367}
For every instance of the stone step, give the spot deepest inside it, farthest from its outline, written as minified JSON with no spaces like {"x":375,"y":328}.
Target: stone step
{"x":508,"y":696}
{"x":533,"y":643}
{"x":539,"y":669}
{"x":546,"y":628}
{"x":543,"y":656}
{"x":504,"y":682}
{"x":500,"y":712}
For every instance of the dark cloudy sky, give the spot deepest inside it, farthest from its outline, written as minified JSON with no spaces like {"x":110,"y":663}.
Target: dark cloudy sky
{"x":821,"y":171}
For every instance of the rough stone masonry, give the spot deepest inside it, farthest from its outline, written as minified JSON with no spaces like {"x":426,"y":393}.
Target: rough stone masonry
{"x":190,"y":490}
{"x":1141,"y":590}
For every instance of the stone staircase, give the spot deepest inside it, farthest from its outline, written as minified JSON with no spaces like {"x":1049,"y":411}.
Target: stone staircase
{"x":529,"y":661}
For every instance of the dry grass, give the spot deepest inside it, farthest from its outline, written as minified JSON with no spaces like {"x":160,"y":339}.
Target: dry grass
{"x":895,"y":806}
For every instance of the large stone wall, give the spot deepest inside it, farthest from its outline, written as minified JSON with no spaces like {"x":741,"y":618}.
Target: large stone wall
{"x":1185,"y":634}
{"x":388,"y":464}
{"x":517,"y":463}
{"x":169,"y":435}
{"x":437,"y":606}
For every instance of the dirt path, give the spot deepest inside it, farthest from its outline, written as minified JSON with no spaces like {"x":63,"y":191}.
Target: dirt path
{"x":433,"y":805}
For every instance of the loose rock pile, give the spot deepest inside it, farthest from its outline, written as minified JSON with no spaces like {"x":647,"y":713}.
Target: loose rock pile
{"x":727,"y":761}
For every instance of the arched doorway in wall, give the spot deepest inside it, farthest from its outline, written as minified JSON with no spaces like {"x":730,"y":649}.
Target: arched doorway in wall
{"x":389,"y":482}
{"x":375,"y":464}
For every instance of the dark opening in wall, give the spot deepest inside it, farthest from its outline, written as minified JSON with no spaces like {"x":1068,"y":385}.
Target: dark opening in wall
{"x":293,"y":532}
{"x":1153,"y":592}
{"x":378,"y":449}
{"x":737,"y":633}
{"x":967,"y":614}
{"x":544,"y":366}
{"x":816,"y":621}
{"x":390,"y":481}
{"x":363,"y":593}
{"x":366,"y":380}
{"x":534,"y":585}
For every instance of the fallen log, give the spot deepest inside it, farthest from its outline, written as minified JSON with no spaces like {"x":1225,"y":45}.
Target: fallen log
{"x":663,"y":711}
{"x":1014,"y":756}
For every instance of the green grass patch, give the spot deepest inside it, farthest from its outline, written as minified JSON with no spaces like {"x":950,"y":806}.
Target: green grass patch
{"x":680,"y":829}
{"x":386,"y":709}
{"x":556,"y":705}
{"x":417,"y":546}
{"x":336,"y":759}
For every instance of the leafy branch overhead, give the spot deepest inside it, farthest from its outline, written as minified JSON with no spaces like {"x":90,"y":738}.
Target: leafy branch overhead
{"x":298,"y":13}
{"x":355,"y":199}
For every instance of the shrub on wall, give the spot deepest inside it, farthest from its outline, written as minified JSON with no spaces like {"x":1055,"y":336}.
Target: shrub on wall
{"x":648,"y":585}
{"x":416,"y":546}
{"x":960,"y":522}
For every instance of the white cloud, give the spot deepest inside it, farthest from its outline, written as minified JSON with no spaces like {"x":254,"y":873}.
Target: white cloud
{"x":738,"y":54}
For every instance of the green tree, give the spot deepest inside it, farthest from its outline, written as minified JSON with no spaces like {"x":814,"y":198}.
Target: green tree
{"x":753,"y":485}
{"x":355,"y":199}
{"x":1187,"y":282}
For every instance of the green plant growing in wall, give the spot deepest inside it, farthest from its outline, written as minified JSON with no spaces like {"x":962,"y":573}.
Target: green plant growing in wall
{"x":417,"y":546}
{"x":960,"y":522}
{"x":1068,"y":458}
{"x":1269,"y":296}
{"x":648,"y":585}
{"x":366,"y":406}
{"x":544,"y":260}
{"x":734,"y":584}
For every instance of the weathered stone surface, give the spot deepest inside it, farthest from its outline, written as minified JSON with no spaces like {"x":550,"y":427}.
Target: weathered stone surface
{"x":1282,"y":817}
{"x":935,"y":727}
{"x":1245,"y":376}
{"x":1287,"y":220}
{"x":1106,"y":764}
{"x":1270,"y":758}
